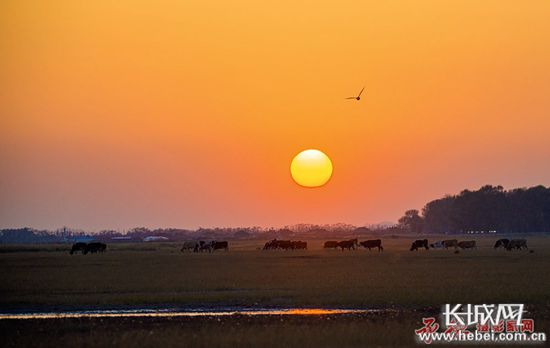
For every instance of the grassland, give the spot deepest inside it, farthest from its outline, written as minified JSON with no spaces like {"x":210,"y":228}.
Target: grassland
{"x":159,"y":274}
{"x":47,"y":277}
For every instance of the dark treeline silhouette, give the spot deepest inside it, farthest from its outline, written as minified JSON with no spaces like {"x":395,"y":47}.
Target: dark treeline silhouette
{"x":489,"y":209}
{"x":141,"y":234}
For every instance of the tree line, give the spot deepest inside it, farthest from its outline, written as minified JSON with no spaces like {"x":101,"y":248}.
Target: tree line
{"x":489,"y":209}
{"x":29,"y":235}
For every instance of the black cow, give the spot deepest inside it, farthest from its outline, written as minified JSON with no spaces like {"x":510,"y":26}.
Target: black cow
{"x":419,"y":243}
{"x":502,"y":243}
{"x":220,"y":245}
{"x":95,"y":248}
{"x":517,"y":244}
{"x":78,"y":247}
{"x":375,"y":243}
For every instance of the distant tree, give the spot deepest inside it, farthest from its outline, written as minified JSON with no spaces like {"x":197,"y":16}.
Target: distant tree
{"x":438,"y":216}
{"x":412,"y":221}
{"x":491,"y":208}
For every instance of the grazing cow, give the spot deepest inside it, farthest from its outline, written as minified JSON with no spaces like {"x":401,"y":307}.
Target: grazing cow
{"x":467,"y":244}
{"x":450,"y":243}
{"x":502,"y":243}
{"x":284,"y":244}
{"x":272,"y":244}
{"x":347,"y":244}
{"x":78,"y":247}
{"x":420,"y":243}
{"x":299,"y":245}
{"x":206,"y":246}
{"x":438,"y":245}
{"x":95,"y":248}
{"x":517,"y":244}
{"x":202,"y":246}
{"x":188,"y":246}
{"x":375,"y":243}
{"x":331,"y":244}
{"x":278,"y":244}
{"x":220,"y":245}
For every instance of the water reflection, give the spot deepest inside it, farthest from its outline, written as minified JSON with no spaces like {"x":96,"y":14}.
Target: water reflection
{"x":178,"y":313}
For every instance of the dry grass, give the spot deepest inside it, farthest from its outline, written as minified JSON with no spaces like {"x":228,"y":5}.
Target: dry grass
{"x":47,"y":277}
{"x":158,"y":274}
{"x":211,"y":332}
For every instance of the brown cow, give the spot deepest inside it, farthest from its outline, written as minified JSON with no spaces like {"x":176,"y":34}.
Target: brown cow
{"x":450,"y":243}
{"x":375,"y":243}
{"x":331,"y":244}
{"x":271,"y":245}
{"x":284,"y":244}
{"x":468,"y":244}
{"x":347,"y":244}
{"x":279,"y":244}
{"x":299,"y":245}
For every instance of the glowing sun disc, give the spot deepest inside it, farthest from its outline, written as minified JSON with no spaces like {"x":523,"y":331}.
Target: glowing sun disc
{"x":311,"y":168}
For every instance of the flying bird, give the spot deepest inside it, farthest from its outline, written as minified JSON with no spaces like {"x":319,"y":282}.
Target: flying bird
{"x":358,"y":96}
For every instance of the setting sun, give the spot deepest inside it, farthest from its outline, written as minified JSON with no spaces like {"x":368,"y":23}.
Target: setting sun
{"x":311,"y":168}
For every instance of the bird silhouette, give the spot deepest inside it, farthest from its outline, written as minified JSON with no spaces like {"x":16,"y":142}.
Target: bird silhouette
{"x":358,"y":96}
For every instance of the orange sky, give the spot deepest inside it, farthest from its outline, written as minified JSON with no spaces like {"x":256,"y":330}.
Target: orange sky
{"x":188,"y":113}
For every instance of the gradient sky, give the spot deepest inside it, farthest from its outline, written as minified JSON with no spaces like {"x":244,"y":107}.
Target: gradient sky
{"x":116,"y":114}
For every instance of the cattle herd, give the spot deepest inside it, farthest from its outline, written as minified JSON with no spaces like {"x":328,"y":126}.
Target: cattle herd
{"x":85,"y":248}
{"x":514,"y":244}
{"x":350,"y":244}
{"x":285,"y":245}
{"x":443,"y":244}
{"x":202,"y":246}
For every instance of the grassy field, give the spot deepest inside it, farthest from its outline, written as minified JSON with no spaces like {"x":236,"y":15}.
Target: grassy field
{"x":415,"y":283}
{"x":159,"y":274}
